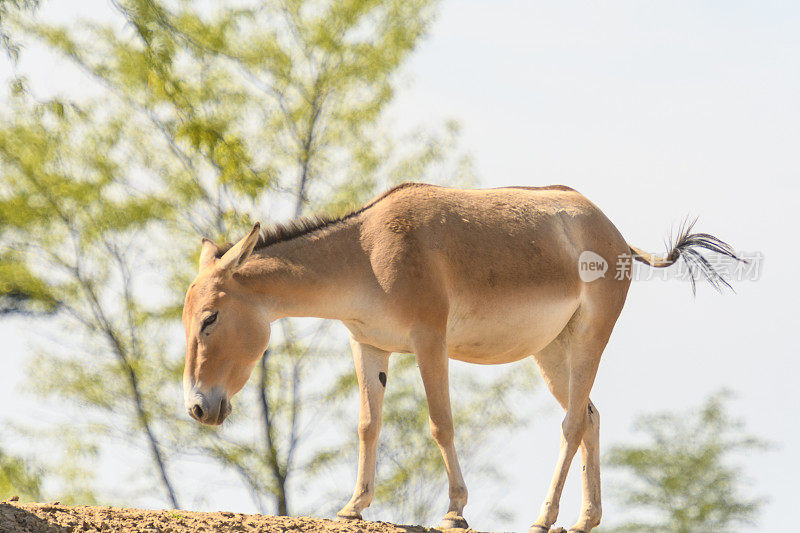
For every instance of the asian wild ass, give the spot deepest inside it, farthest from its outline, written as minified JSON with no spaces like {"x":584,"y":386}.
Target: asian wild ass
{"x":483,"y":276}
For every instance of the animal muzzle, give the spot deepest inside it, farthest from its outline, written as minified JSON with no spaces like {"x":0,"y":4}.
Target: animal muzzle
{"x":210,"y":408}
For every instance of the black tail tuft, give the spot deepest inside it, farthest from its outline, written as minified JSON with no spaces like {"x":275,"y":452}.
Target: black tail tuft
{"x":687,"y":246}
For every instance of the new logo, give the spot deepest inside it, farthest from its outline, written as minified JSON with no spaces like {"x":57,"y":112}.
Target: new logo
{"x":591,"y":266}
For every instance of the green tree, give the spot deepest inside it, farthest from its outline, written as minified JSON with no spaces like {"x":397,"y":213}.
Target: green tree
{"x":209,"y":117}
{"x":18,"y":478}
{"x":683,"y":479}
{"x":7,"y":8}
{"x":75,"y":222}
{"x":50,"y":473}
{"x":22,"y":292}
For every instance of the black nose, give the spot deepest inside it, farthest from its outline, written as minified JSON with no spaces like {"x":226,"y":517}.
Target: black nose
{"x":196,"y":412}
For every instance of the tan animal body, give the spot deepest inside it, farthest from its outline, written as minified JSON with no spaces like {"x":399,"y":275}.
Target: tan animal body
{"x":483,"y":276}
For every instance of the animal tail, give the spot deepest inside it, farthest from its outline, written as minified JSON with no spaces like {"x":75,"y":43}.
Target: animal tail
{"x":687,"y":246}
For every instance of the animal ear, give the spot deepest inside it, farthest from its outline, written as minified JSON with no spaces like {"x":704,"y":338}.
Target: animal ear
{"x":208,"y":252}
{"x":240,"y":251}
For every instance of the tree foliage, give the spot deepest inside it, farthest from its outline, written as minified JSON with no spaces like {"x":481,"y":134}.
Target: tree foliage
{"x":18,"y":478}
{"x":204,"y":118}
{"x":683,"y":478}
{"x":10,"y":8}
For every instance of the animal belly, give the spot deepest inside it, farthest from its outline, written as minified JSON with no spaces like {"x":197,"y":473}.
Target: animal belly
{"x":381,"y":333}
{"x":494,"y":331}
{"x":507,"y":331}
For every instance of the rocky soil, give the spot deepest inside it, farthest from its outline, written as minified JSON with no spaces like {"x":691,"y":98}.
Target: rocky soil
{"x":18,"y":517}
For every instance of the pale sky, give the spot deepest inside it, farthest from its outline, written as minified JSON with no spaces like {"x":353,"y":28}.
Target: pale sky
{"x":653,"y":111}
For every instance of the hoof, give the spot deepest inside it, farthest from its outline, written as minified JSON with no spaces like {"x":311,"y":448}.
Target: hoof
{"x":542,"y":529}
{"x":453,"y":521}
{"x":345,"y":516}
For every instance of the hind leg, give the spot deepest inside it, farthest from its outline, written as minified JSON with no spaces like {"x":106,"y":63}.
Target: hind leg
{"x":568,"y":367}
{"x":591,"y":506}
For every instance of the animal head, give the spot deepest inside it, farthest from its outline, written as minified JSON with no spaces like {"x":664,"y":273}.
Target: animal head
{"x":227,"y":330}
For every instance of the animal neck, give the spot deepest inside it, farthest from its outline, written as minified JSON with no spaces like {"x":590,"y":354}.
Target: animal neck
{"x":309,"y":276}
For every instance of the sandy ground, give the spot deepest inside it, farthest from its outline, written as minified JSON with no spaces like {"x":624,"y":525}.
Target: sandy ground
{"x":18,"y":517}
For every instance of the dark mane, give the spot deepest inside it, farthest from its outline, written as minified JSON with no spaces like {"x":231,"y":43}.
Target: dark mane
{"x":307,"y":225}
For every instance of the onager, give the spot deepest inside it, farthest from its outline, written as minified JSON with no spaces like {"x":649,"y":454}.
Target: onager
{"x":483,"y":276}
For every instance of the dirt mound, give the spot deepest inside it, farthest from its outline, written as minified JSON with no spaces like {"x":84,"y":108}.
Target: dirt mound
{"x":17,"y":517}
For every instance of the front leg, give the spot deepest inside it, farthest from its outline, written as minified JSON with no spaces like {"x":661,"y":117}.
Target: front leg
{"x":433,"y":362}
{"x":371,"y":368}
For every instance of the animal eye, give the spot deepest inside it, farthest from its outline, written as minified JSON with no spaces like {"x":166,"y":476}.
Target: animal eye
{"x":207,"y":321}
